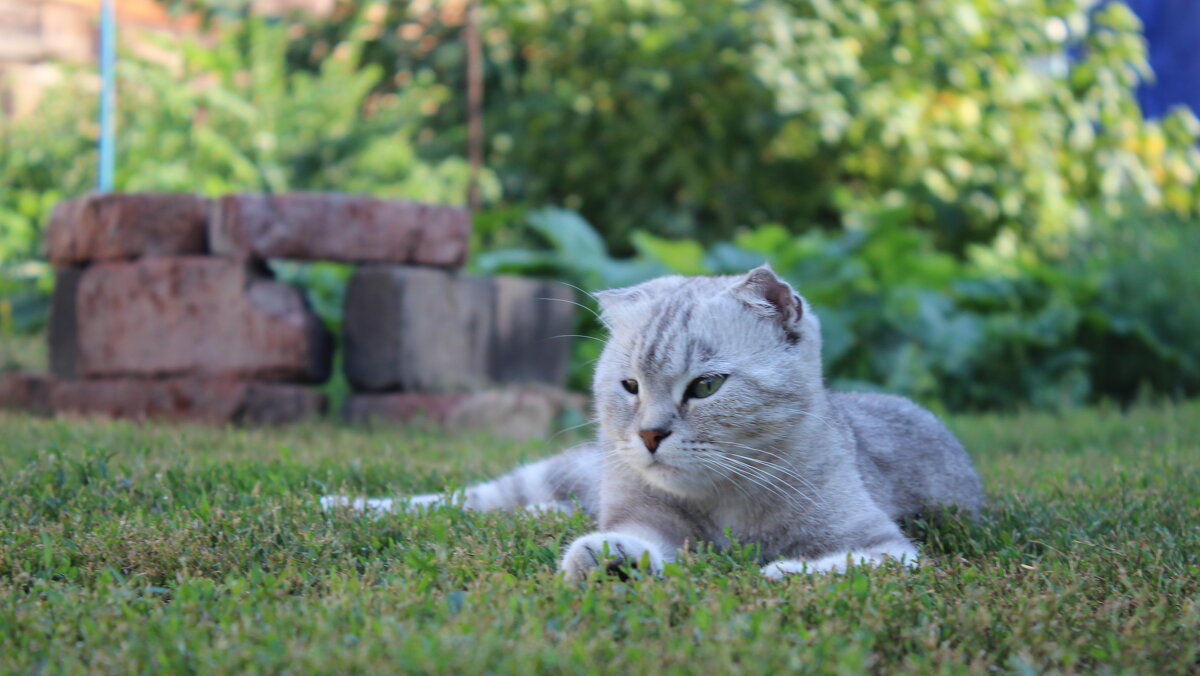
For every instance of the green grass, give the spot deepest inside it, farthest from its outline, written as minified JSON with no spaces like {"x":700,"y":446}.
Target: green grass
{"x":130,"y":549}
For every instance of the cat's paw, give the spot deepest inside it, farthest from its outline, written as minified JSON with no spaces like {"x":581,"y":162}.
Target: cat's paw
{"x":902,"y":552}
{"x":614,"y":552}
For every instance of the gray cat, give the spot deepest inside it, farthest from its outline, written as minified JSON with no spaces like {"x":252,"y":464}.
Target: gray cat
{"x":714,"y":422}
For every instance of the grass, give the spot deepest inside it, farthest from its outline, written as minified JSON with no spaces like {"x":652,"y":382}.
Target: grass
{"x":128,"y":549}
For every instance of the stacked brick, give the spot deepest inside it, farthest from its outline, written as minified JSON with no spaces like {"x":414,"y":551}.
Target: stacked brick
{"x":147,"y":322}
{"x":164,"y":308}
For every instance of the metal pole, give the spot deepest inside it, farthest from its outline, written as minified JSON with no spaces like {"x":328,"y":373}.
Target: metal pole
{"x":108,"y":95}
{"x":474,"y":103}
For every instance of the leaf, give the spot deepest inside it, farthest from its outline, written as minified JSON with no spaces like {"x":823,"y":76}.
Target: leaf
{"x":683,"y":256}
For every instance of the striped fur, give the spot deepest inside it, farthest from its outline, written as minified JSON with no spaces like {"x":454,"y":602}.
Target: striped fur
{"x":817,"y":480}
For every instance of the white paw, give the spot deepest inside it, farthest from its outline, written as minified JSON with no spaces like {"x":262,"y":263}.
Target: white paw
{"x":837,"y":563}
{"x":610,"y":551}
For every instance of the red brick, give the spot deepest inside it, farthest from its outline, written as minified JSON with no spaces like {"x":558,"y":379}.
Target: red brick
{"x":336,"y":227}
{"x":126,"y":226}
{"x":196,"y":316}
{"x":213,"y":401}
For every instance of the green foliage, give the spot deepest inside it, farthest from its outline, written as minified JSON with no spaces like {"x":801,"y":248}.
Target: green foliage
{"x":692,"y":119}
{"x":993,"y":331}
{"x":151,"y":548}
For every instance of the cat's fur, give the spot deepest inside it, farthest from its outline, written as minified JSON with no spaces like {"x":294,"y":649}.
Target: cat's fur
{"x":816,"y":479}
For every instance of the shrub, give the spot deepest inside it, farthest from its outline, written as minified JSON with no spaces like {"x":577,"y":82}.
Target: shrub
{"x":993,"y":331}
{"x":697,"y":118}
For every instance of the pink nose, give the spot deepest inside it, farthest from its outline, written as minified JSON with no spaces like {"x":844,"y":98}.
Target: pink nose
{"x":652,"y":438}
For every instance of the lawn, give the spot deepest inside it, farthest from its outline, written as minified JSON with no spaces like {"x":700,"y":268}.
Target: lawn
{"x":130,"y":549}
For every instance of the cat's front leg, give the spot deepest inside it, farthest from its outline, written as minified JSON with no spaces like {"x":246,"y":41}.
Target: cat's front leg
{"x":616,"y":552}
{"x":899,"y":550}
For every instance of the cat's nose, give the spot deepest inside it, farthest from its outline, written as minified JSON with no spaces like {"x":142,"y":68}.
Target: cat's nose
{"x":652,"y":438}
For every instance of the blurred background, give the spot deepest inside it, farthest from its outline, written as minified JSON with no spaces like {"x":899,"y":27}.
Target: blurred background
{"x":993,"y":205}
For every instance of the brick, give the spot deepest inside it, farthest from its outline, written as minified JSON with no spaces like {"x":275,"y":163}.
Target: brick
{"x":196,"y":316}
{"x":530,"y":322}
{"x":336,"y":227}
{"x":211,"y":401}
{"x":63,"y":330}
{"x":420,"y":330}
{"x":416,"y":329}
{"x":25,"y":392}
{"x":518,"y":413}
{"x":126,"y":226}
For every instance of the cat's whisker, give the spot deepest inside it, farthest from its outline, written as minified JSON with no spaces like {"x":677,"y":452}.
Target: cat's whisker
{"x":745,"y":460}
{"x":756,"y":477}
{"x":787,"y":470}
{"x":775,"y":479}
{"x":573,"y":427}
{"x":785,"y":490}
{"x":576,"y":335}
{"x":589,"y":294}
{"x":564,"y":300}
{"x":725,"y":474}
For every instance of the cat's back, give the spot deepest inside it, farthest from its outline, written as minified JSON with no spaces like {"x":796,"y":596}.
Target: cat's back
{"x":909,"y":460}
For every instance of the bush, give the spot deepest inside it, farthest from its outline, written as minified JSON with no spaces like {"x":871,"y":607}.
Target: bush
{"x":692,"y":119}
{"x":993,"y":331}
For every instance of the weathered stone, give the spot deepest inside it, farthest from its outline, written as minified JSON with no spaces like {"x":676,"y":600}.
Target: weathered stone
{"x":213,"y":401}
{"x":420,"y":330}
{"x":118,"y":227}
{"x":517,"y":413}
{"x":336,"y":227}
{"x":416,"y":330}
{"x":25,"y":392}
{"x":530,"y":322}
{"x":63,"y":332}
{"x":196,"y":316}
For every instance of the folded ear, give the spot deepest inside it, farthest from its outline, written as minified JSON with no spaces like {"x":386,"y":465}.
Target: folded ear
{"x":613,"y":298}
{"x":616,"y":303}
{"x":768,"y":295}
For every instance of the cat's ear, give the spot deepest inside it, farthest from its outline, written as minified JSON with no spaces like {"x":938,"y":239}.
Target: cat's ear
{"x":614,"y":301}
{"x":768,"y":295}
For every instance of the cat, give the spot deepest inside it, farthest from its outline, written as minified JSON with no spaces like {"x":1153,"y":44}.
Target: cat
{"x":715,"y":425}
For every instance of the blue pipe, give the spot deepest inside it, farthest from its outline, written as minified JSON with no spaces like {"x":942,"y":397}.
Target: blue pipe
{"x":108,"y":96}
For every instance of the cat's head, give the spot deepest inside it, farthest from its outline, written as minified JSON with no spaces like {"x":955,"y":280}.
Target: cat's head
{"x":705,"y":378}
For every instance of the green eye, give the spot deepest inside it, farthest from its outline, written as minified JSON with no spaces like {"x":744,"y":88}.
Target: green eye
{"x":704,"y":386}
{"x":631,"y":386}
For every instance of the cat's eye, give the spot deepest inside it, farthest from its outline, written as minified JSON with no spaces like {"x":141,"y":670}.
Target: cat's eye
{"x":704,"y":386}
{"x":630,"y":385}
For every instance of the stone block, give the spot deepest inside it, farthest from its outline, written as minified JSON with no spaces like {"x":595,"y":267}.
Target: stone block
{"x":25,"y":392}
{"x":530,"y":322}
{"x":63,"y":330}
{"x":196,"y":316}
{"x":416,"y":329}
{"x":518,"y":413}
{"x":212,"y":401}
{"x":126,"y":226}
{"x":336,"y":227}
{"x":420,"y":330}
